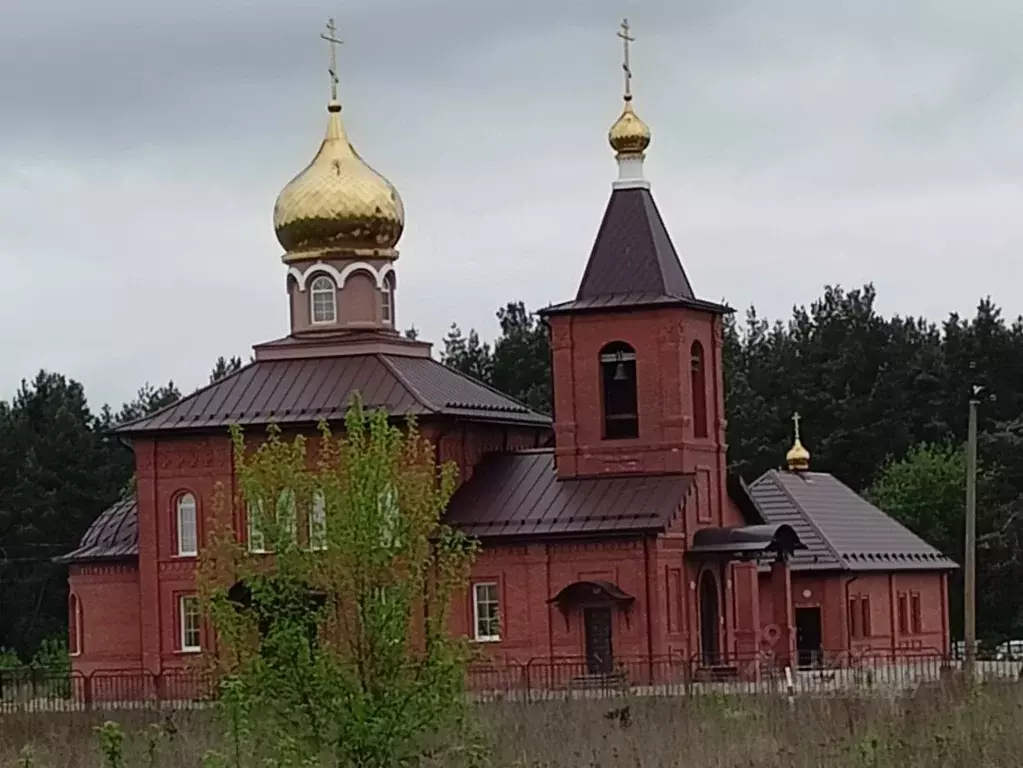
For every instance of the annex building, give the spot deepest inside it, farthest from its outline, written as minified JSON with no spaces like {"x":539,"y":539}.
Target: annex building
{"x":611,"y":529}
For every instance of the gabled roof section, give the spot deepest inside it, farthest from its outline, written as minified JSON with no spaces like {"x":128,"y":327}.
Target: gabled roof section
{"x":307,"y":390}
{"x":633,"y":253}
{"x":519,"y":495}
{"x":841,"y":529}
{"x":114,"y":535}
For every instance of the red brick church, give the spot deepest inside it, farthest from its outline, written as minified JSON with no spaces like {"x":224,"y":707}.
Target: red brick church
{"x":611,"y":530}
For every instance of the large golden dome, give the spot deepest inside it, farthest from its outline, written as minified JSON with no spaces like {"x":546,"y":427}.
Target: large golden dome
{"x":338,"y":202}
{"x":629,"y":135}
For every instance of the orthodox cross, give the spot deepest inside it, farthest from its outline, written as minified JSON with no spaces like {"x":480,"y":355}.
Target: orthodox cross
{"x":796,"y":418}
{"x":331,"y":37}
{"x":626,"y":39}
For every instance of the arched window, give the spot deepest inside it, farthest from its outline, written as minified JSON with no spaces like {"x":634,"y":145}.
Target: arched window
{"x":387,"y":301}
{"x":74,"y":625}
{"x":618,"y":380}
{"x":323,"y":301}
{"x":188,"y":530}
{"x":699,"y":382}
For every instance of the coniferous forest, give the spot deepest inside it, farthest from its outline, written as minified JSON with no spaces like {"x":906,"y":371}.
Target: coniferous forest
{"x":884,"y":402}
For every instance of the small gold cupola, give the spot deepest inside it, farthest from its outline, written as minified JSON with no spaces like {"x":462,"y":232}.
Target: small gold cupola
{"x":629,"y":136}
{"x":338,"y":202}
{"x":798,"y":458}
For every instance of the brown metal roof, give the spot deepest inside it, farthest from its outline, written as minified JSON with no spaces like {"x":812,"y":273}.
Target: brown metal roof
{"x":633,"y":253}
{"x":310,"y":389}
{"x":840,"y":528}
{"x":520,"y":495}
{"x":114,"y":535}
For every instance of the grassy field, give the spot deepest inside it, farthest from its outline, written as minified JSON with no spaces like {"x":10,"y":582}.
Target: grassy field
{"x":934,"y":728}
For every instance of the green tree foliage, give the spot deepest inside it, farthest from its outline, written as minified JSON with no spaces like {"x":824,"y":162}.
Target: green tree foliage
{"x":518,"y":363}
{"x":337,"y":646}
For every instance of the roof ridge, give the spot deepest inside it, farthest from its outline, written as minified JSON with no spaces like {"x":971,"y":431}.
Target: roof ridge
{"x":186,"y":398}
{"x":774,"y":475}
{"x":412,"y":391}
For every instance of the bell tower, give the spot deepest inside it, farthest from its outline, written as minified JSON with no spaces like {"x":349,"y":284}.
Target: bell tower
{"x":637,"y":358}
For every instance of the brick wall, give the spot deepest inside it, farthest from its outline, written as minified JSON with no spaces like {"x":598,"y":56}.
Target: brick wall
{"x":663,"y":340}
{"x":108,"y":595}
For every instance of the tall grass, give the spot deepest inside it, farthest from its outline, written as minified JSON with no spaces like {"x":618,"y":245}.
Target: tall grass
{"x":930,"y":729}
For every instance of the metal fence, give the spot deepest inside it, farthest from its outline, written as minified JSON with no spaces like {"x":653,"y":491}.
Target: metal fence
{"x":38,"y":690}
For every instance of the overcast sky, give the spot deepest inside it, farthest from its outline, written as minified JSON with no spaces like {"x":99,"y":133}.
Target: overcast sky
{"x":795,"y":144}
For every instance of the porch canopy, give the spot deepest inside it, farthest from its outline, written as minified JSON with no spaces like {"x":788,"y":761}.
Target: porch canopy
{"x":746,"y":542}
{"x":587,"y":591}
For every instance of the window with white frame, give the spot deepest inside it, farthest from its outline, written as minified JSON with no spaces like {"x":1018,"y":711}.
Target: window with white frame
{"x":323,"y":300}
{"x":486,"y":615}
{"x":390,"y":517}
{"x":318,"y":523}
{"x":188,"y":530}
{"x":191,"y":623}
{"x":256,"y":536}
{"x":286,"y":515}
{"x":387,"y":301}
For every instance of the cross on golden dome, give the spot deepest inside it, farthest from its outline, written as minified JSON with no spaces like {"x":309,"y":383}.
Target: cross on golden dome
{"x":629,"y":136}
{"x":623,"y":33}
{"x":338,"y":203}
{"x":332,"y":38}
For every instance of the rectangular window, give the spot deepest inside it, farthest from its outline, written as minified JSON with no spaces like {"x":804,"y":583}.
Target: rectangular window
{"x":854,"y":617}
{"x":865,"y":606}
{"x":915,"y":615}
{"x":256,"y":538}
{"x":190,"y":623}
{"x":485,"y":612}
{"x":903,"y":615}
{"x":318,"y":523}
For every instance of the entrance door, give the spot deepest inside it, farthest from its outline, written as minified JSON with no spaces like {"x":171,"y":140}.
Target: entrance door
{"x":599,"y":654}
{"x":710,"y":619}
{"x":808,"y":636}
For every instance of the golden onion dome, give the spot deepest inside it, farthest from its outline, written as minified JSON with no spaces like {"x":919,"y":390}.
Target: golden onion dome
{"x":798,"y":458}
{"x":338,"y":202}
{"x":629,"y":135}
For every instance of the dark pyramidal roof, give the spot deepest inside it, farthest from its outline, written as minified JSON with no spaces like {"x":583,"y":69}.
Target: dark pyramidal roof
{"x":310,"y":389}
{"x":840,"y":529}
{"x":633,"y":261}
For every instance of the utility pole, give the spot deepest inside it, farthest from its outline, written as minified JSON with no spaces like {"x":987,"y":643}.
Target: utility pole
{"x":970,"y":577}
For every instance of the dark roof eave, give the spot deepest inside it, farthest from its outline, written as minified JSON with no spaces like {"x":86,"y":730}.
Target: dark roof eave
{"x":578,"y":307}
{"x":534,"y":419}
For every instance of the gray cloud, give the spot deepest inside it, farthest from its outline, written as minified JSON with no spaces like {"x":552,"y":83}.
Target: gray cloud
{"x":795,"y":144}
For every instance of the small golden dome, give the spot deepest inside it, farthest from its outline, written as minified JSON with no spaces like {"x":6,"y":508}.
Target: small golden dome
{"x":338,"y":202}
{"x":798,"y":458}
{"x":629,"y":135}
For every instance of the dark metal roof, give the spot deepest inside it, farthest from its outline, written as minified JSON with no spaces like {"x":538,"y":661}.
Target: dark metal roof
{"x":840,"y":528}
{"x":633,"y":252}
{"x":114,"y":535}
{"x":519,"y":494}
{"x":310,"y":389}
{"x":746,"y":540}
{"x":587,"y":590}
